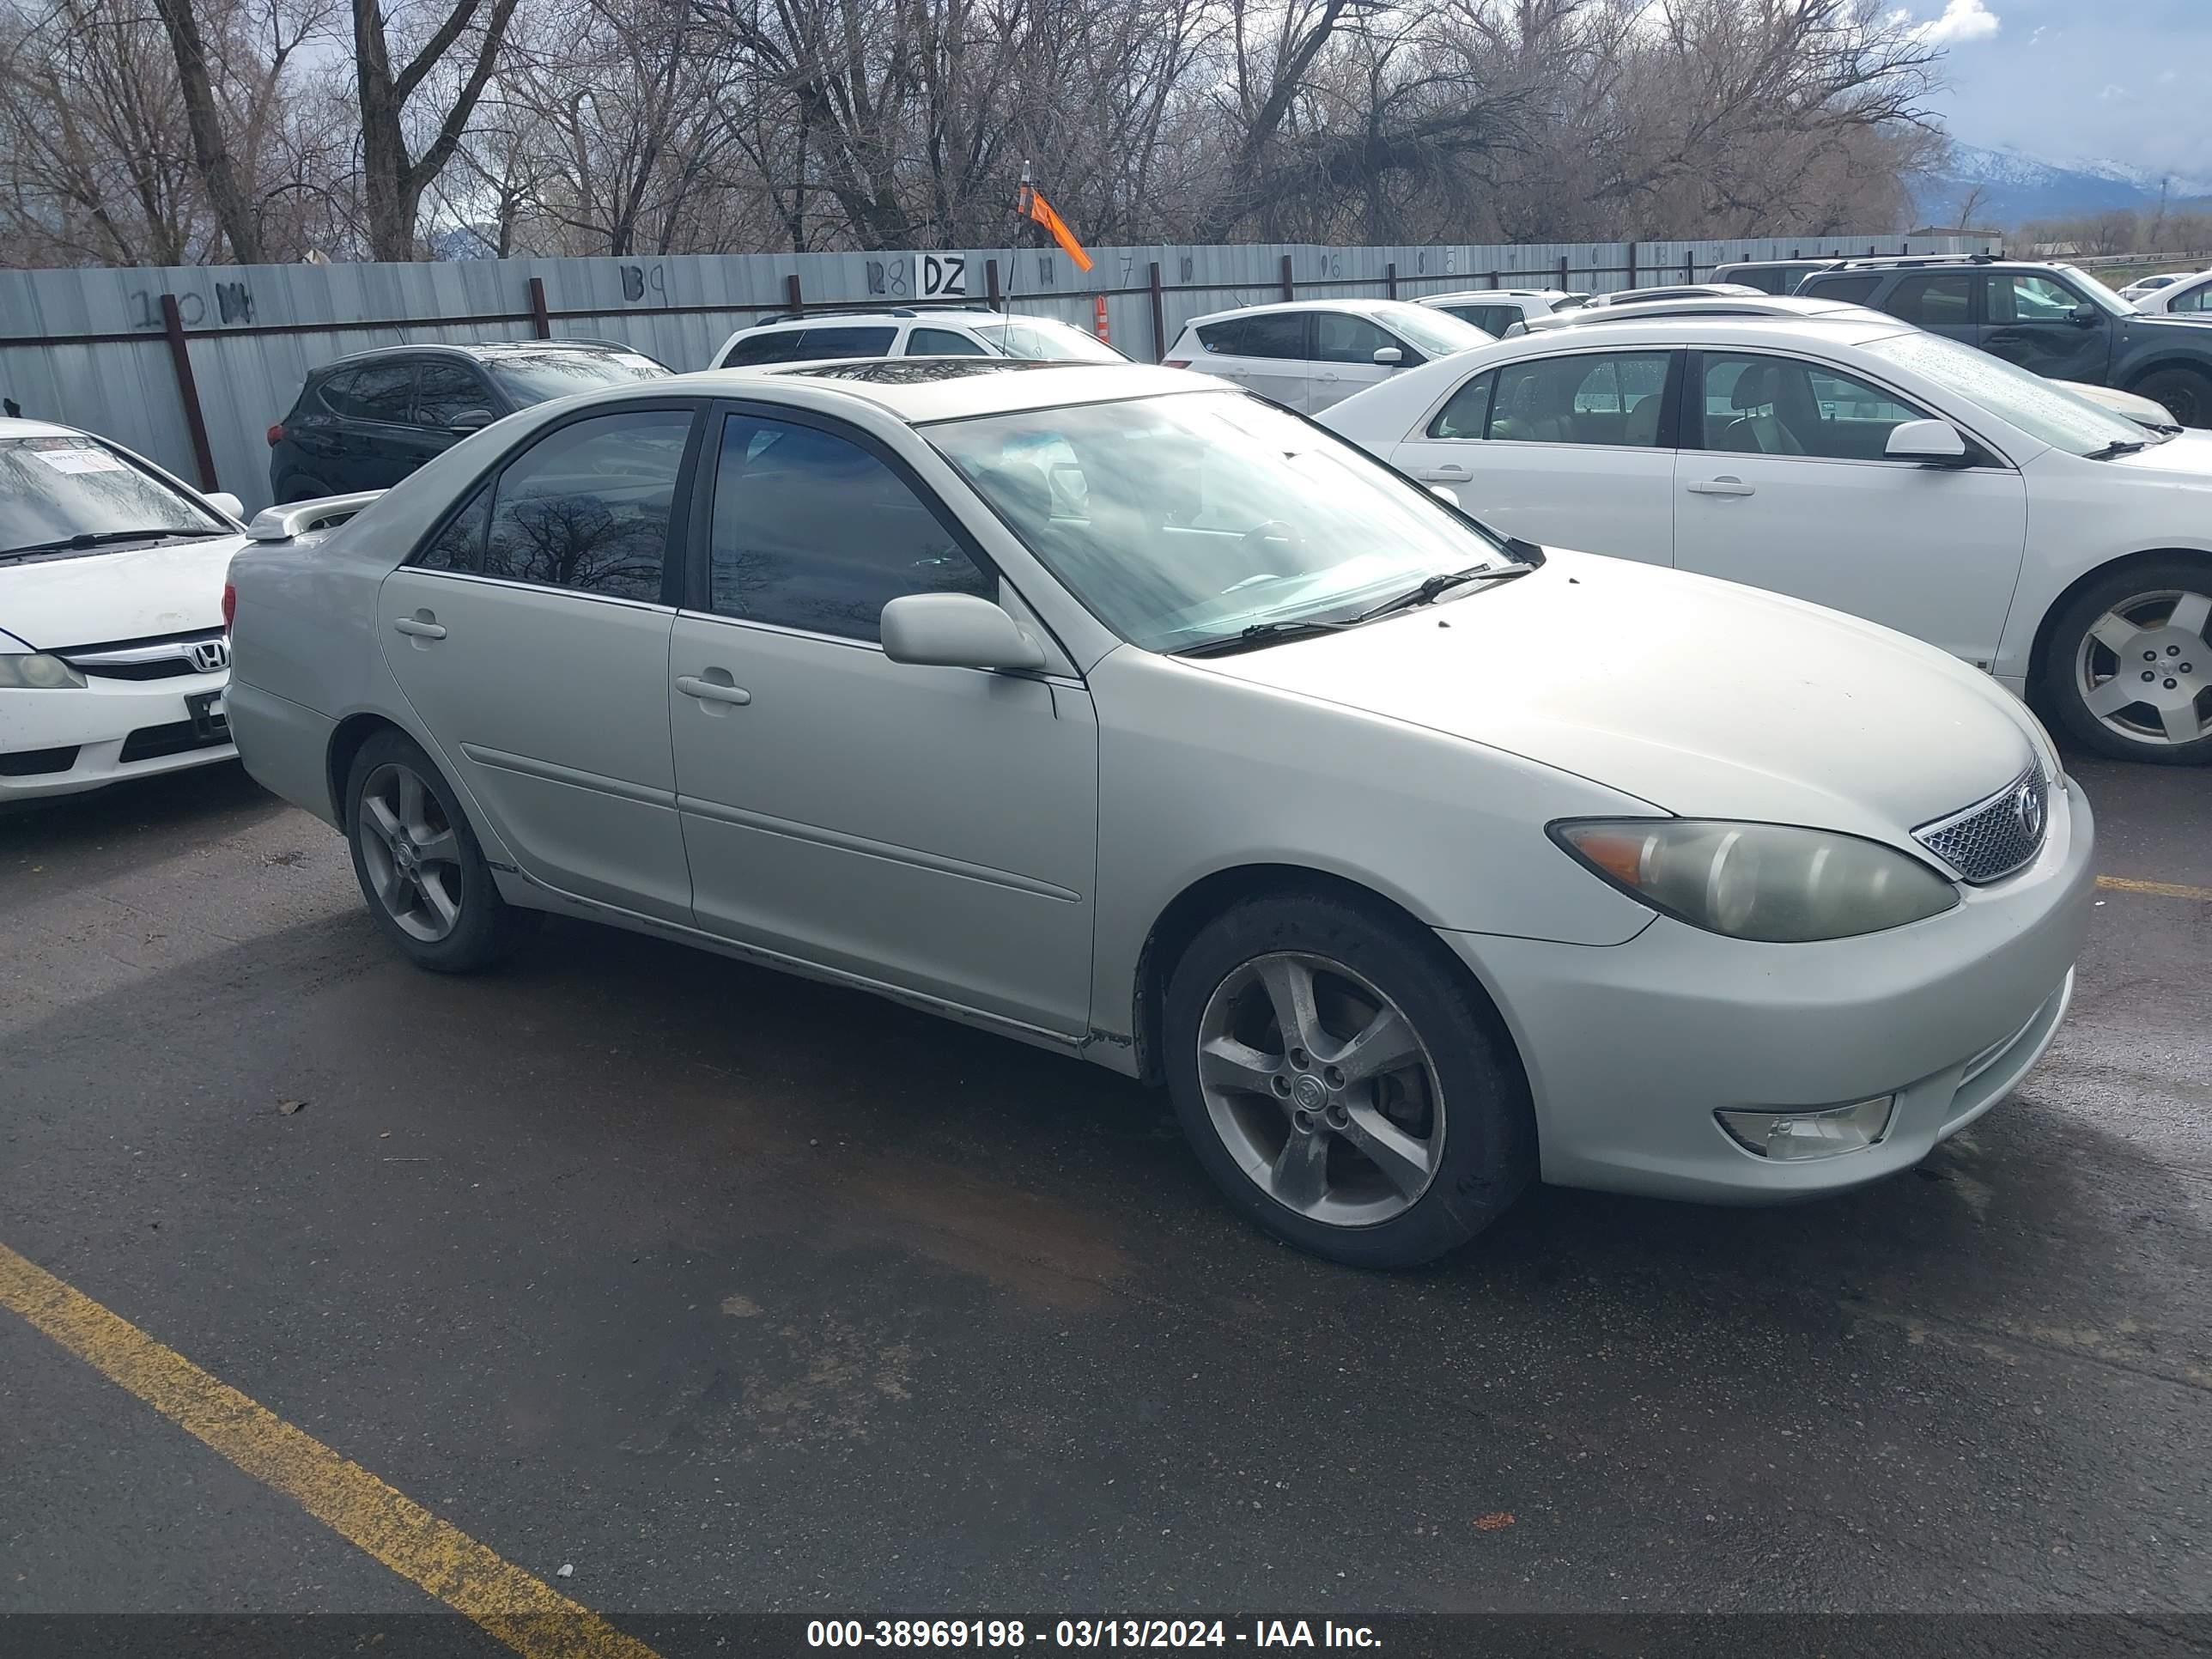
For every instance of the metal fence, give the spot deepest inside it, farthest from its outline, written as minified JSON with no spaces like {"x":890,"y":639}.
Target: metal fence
{"x":190,"y":366}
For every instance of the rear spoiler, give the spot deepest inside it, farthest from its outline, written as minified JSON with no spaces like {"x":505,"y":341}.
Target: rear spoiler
{"x":281,"y":524}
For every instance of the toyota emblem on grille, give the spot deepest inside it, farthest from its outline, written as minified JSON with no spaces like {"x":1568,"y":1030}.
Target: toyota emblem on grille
{"x":2027,"y":806}
{"x":208,"y":655}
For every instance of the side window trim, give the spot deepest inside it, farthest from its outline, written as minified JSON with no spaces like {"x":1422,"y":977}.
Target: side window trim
{"x":696,"y":595}
{"x":675,"y":554}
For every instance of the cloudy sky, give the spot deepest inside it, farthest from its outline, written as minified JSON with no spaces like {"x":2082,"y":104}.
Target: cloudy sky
{"x":2124,"y":80}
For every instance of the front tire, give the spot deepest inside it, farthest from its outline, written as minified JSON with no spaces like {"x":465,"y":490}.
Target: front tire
{"x":2186,"y":393}
{"x":418,"y":863}
{"x":1340,"y":1084}
{"x":2127,"y":671}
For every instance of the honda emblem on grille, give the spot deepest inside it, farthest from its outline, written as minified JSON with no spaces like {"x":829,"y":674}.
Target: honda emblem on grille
{"x":208,"y":655}
{"x":2027,"y":806}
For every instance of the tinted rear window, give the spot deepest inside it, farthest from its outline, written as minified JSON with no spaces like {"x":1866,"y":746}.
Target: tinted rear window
{"x":845,"y":342}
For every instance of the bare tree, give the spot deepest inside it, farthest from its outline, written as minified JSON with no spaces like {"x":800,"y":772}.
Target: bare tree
{"x":394,"y":175}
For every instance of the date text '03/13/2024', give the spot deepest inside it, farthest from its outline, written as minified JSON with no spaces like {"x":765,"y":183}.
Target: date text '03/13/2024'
{"x":1084,"y":1633}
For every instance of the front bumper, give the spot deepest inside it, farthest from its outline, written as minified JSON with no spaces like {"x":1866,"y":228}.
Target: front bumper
{"x":1630,"y":1049}
{"x":63,"y":742}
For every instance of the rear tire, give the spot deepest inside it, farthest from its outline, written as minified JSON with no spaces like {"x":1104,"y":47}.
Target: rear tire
{"x":2128,"y":668}
{"x":2186,"y":393}
{"x":1390,"y":1127}
{"x":420,"y":868}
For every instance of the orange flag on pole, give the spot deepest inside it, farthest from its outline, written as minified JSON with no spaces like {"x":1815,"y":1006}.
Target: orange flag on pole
{"x":1031,"y":205}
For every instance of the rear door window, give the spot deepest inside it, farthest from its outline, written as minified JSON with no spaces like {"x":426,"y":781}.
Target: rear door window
{"x":1937,"y":301}
{"x":588,"y":507}
{"x":839,"y":343}
{"x":941,"y":343}
{"x":1277,"y":334}
{"x":375,"y":391}
{"x":1613,"y":398}
{"x":773,"y":347}
{"x":446,"y":391}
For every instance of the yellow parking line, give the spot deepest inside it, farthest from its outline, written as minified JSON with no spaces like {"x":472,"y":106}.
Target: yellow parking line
{"x":527,"y":1614}
{"x":2161,"y":889}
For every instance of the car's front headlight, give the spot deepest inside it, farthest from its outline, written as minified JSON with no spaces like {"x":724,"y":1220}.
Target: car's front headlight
{"x":1775,"y":883}
{"x":34,"y":671}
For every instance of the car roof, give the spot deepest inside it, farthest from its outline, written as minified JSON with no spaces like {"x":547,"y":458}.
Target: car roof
{"x":1363,"y":308}
{"x":960,"y":388}
{"x":1714,"y":305}
{"x":892,"y":314}
{"x":480,"y":351}
{"x":1846,"y":325}
{"x":11,"y":427}
{"x":1463,"y":295}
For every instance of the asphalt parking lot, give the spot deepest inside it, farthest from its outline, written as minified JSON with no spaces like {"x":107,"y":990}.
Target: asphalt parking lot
{"x":730,"y":1292}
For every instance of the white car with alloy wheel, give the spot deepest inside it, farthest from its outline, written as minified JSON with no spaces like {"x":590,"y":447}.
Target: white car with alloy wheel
{"x":112,"y":657}
{"x":1862,"y":463}
{"x":1115,"y":711}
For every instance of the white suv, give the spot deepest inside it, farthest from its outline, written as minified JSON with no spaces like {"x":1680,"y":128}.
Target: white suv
{"x":1308,"y":354}
{"x":907,"y":331}
{"x":1495,"y":310}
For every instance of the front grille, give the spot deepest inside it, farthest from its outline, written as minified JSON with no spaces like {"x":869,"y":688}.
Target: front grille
{"x":1992,"y":838}
{"x":152,"y":742}
{"x":164,"y":658}
{"x":33,"y":763}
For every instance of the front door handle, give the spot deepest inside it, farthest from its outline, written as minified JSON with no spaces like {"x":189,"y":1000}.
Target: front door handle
{"x":711,"y":690}
{"x":1722,"y":487}
{"x":421,"y":626}
{"x":1449,"y":473}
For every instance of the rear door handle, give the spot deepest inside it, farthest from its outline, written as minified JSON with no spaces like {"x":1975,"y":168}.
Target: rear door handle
{"x":707,"y":690}
{"x":1449,"y":473}
{"x":1722,"y":487}
{"x":420,"y":627}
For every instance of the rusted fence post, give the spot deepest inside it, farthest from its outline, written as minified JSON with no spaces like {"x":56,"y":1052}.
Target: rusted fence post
{"x":541,"y":314}
{"x":188,"y":391}
{"x":1289,"y":288}
{"x":1159,"y":314}
{"x":1390,"y":279}
{"x":794,"y":297}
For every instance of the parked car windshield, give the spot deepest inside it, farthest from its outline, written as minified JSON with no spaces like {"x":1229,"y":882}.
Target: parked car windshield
{"x":536,"y":377}
{"x":1435,"y":333}
{"x":1045,"y":340}
{"x":1182,"y":520}
{"x":78,"y":492}
{"x":2065,"y":420}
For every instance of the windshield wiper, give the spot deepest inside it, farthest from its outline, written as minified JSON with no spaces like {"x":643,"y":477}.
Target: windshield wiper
{"x":1265,"y":634}
{"x":89,"y":538}
{"x":2118,"y":446}
{"x":1429,"y":591}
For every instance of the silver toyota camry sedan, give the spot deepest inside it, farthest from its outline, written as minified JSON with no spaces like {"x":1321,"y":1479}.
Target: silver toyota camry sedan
{"x":1126,"y":714}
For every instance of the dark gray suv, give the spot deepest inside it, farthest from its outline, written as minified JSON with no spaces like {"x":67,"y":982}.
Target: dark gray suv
{"x":2051,"y":319}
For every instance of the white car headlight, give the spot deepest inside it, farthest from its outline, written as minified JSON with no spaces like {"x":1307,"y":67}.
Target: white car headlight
{"x":34,"y":671}
{"x":1775,"y":883}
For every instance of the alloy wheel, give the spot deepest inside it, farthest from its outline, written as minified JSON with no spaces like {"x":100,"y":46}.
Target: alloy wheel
{"x":412,"y":854}
{"x":2144,"y":668}
{"x":1321,"y":1089}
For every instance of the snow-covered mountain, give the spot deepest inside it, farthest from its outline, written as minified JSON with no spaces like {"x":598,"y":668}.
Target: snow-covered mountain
{"x":2016,"y":186}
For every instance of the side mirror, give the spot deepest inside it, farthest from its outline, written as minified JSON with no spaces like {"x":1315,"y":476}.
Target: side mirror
{"x":955,"y":630}
{"x":1935,"y":443}
{"x":472,"y":420}
{"x":2084,"y":316}
{"x":1390,"y":357}
{"x":223,"y":501}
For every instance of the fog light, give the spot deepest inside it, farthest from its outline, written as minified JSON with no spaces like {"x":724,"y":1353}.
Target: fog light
{"x":1824,"y":1134}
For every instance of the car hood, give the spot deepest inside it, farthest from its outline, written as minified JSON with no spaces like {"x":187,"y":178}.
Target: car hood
{"x":136,"y":593}
{"x":2187,"y":456}
{"x":1705,"y":698}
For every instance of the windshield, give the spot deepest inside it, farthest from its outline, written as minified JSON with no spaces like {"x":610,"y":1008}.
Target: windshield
{"x":2096,"y":293}
{"x":64,"y":487}
{"x":2062,"y":419}
{"x":1435,"y":333}
{"x":1042,"y":340}
{"x":536,"y":377}
{"x":1183,"y":520}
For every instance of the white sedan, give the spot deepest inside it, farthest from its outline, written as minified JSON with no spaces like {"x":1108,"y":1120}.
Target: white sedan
{"x":2186,"y":295}
{"x":1114,"y":711}
{"x":113,"y":659}
{"x":1862,"y":463}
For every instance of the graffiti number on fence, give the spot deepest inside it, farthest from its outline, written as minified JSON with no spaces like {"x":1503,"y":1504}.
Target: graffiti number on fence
{"x":233,"y":303}
{"x":638,"y":280}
